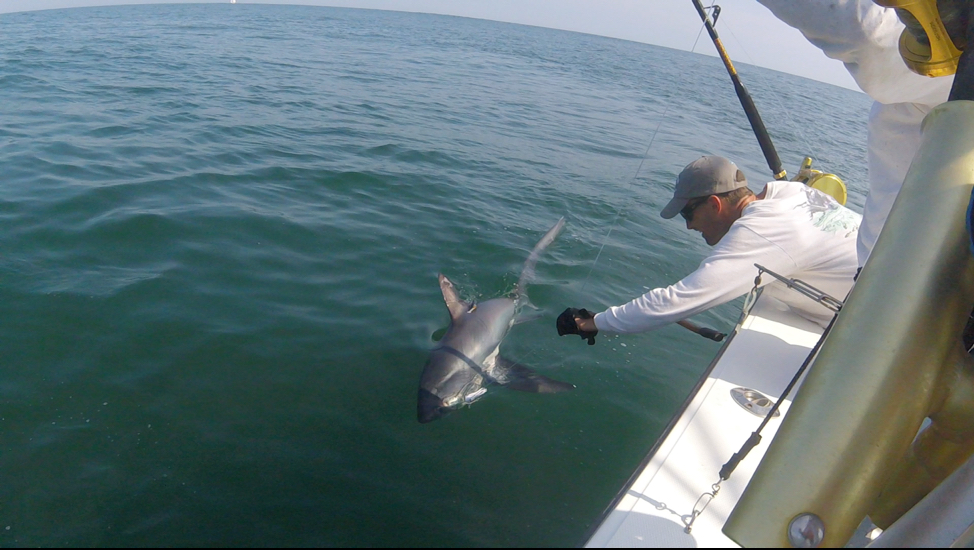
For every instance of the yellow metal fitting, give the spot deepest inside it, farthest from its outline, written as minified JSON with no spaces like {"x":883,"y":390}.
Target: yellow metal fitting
{"x":939,"y":56}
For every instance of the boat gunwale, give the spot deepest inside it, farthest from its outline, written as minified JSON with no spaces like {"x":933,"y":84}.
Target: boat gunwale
{"x":674,"y":419}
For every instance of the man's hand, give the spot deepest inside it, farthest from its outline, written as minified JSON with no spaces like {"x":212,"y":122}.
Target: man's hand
{"x":585,"y":324}
{"x":577,"y":321}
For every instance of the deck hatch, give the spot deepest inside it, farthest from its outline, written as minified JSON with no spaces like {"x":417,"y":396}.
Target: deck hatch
{"x":753,"y":402}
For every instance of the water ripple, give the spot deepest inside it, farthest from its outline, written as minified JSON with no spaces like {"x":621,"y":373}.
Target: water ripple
{"x":222,"y":231}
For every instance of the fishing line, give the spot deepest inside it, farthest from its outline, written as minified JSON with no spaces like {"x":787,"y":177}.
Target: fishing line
{"x":636,"y":176}
{"x":622,"y":210}
{"x":699,"y":34}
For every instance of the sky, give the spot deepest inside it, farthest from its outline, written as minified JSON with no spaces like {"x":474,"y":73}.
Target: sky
{"x":749,"y":32}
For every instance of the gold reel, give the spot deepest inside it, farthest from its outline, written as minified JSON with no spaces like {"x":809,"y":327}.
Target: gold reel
{"x":830,"y":184}
{"x":938,"y":56}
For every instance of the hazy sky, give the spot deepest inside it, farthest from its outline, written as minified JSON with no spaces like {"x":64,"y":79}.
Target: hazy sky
{"x":748,"y":30}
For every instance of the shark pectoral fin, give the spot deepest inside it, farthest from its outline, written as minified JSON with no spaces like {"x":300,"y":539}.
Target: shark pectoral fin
{"x":456,"y":306}
{"x":520,"y":378}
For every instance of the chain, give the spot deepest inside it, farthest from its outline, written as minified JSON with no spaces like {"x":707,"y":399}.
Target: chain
{"x":750,"y":299}
{"x":705,"y":499}
{"x":699,"y":506}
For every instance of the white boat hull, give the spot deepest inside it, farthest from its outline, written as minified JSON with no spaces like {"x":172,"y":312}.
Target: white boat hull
{"x":763,"y":355}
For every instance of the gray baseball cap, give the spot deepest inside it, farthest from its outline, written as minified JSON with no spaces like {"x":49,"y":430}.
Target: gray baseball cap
{"x":708,"y":175}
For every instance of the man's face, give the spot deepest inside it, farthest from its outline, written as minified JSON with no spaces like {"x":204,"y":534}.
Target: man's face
{"x":707,"y":215}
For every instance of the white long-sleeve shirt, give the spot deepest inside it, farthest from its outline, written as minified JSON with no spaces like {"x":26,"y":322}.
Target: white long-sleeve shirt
{"x":865,"y":37}
{"x":795,"y":231}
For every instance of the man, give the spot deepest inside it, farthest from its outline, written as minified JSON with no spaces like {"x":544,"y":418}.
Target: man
{"x":789,"y":228}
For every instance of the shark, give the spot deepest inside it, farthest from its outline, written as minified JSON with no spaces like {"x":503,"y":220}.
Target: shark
{"x":467,"y":360}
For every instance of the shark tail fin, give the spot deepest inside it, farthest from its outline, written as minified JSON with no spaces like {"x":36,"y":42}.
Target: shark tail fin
{"x":527,"y":273}
{"x":520,"y":378}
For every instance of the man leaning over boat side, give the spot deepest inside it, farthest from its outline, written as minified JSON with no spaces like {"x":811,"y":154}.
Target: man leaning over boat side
{"x":865,"y":38}
{"x":790,"y":228}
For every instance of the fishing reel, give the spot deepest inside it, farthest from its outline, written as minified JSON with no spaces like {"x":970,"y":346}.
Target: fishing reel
{"x":830,"y":184}
{"x":935,"y":35}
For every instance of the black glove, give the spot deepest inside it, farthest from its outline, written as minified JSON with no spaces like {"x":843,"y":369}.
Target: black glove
{"x":712,"y":334}
{"x":566,"y":324}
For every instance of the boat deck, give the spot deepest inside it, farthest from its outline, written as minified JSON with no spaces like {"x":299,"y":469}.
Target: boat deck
{"x":762,"y":356}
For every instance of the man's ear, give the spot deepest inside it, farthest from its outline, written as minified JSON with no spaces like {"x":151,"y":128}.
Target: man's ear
{"x":716,"y":202}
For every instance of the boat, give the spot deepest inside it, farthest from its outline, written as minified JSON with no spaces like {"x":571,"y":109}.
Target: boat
{"x":860,"y":434}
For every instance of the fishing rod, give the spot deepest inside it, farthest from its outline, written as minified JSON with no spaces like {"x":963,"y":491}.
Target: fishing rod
{"x":706,"y":332}
{"x":764,"y":139}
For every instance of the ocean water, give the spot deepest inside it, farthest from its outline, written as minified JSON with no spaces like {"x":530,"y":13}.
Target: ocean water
{"x":222,"y":226}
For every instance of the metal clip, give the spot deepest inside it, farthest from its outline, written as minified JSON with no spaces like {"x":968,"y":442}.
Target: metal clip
{"x":698,"y":508}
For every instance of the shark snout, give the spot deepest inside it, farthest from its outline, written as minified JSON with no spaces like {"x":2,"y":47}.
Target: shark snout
{"x":430,"y":407}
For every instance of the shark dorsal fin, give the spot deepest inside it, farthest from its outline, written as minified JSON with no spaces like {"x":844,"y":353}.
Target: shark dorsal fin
{"x":456,"y":306}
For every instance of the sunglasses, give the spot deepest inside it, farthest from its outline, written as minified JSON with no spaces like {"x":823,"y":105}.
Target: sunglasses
{"x":687,"y":211}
